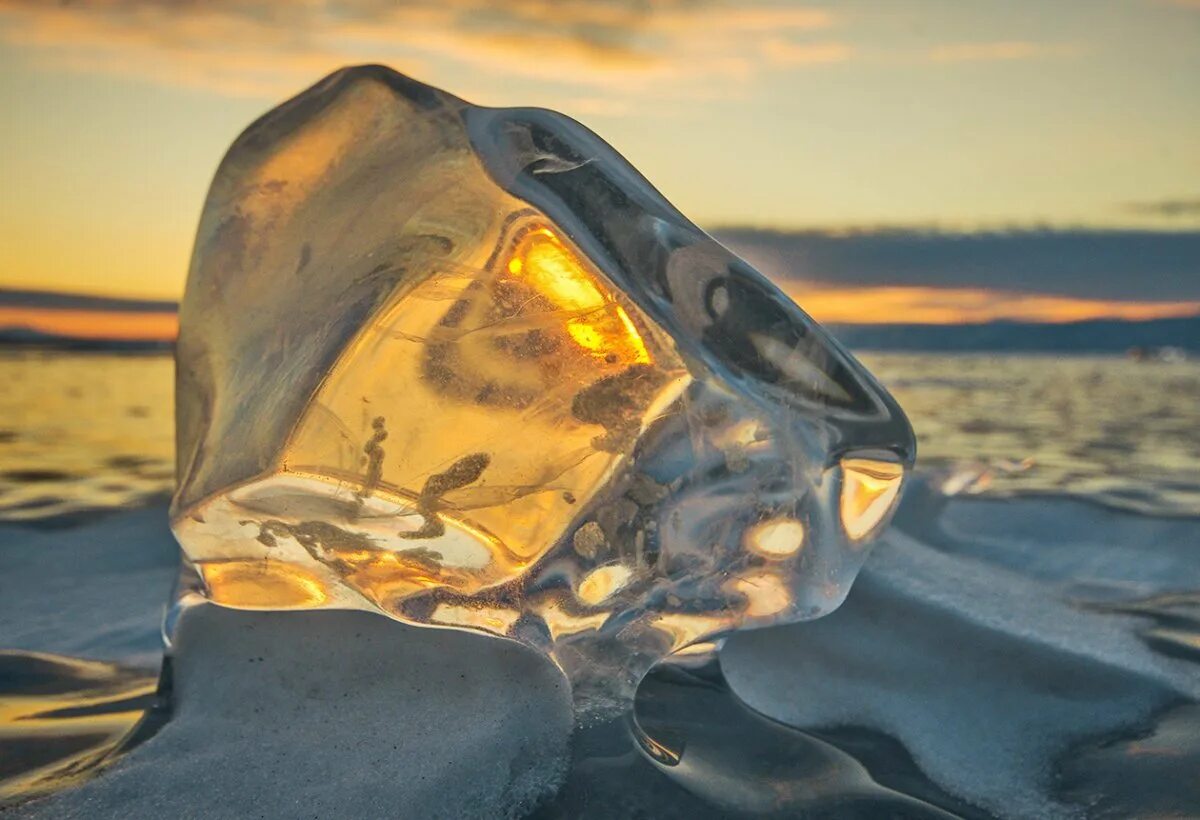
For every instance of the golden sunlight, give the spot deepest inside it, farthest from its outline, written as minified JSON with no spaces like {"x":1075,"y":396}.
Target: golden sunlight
{"x":601,"y":326}
{"x":93,"y":324}
{"x":948,"y":306}
{"x":869,"y":489}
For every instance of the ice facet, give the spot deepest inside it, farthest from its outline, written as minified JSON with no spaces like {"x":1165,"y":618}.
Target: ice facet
{"x":465,"y":367}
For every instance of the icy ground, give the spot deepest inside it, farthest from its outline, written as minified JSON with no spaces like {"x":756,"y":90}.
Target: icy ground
{"x":1006,"y":644}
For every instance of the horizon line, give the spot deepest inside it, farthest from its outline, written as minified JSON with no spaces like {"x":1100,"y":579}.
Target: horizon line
{"x":24,"y":295}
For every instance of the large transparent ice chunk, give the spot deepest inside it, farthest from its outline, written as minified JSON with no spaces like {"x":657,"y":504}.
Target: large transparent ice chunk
{"x":465,"y":367}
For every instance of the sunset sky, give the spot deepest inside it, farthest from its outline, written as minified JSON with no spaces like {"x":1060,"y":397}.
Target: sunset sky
{"x":848,"y":117}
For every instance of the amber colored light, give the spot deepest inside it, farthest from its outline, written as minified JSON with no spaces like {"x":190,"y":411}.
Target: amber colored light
{"x":600,"y":326}
{"x":869,"y":490}
{"x":656,"y":750}
{"x":484,"y":362}
{"x":262,"y":585}
{"x":562,"y":623}
{"x":488,"y":618}
{"x":93,"y":324}
{"x":76,"y":729}
{"x":602,"y":582}
{"x":552,"y":269}
{"x":949,"y":306}
{"x":683,"y":628}
{"x":776,"y":537}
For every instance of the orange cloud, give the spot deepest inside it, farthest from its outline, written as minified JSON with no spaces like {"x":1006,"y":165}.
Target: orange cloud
{"x":267,"y":48}
{"x":870,"y":305}
{"x":947,"y":306}
{"x":206,"y":48}
{"x":93,"y":324}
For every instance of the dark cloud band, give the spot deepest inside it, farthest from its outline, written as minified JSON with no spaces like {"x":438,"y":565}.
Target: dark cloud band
{"x":1093,"y":264}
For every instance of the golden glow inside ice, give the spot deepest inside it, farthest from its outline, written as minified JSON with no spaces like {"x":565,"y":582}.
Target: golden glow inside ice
{"x":699,"y":648}
{"x":562,"y":623}
{"x":776,"y":538}
{"x":683,"y":628}
{"x":453,"y":443}
{"x":869,"y":490}
{"x":416,"y":377}
{"x":386,"y":577}
{"x":261,"y":585}
{"x":602,"y":582}
{"x":597,"y":323}
{"x":656,"y":750}
{"x":488,"y":618}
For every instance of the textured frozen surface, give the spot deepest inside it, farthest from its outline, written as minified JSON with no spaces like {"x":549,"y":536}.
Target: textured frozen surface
{"x":952,"y":645}
{"x":465,"y":367}
{"x":96,"y":591}
{"x":339,"y":714}
{"x":980,"y":655}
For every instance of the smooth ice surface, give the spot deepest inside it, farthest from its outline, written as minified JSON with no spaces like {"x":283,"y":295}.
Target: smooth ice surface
{"x":339,"y":714}
{"x":465,"y":367}
{"x":97,"y":590}
{"x":985,"y":660}
{"x":1005,"y":693}
{"x":62,"y":718}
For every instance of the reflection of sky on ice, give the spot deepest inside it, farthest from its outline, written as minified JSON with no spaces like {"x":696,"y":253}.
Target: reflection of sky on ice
{"x":1112,"y":430}
{"x":83,"y":432}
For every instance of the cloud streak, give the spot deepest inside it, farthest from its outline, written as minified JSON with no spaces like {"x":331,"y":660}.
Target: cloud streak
{"x":596,"y":51}
{"x":265,"y":48}
{"x":950,"y":306}
{"x":1109,"y":265}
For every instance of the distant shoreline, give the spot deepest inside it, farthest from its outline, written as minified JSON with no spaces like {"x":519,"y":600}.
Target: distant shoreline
{"x":1103,"y":338}
{"x":20,"y":340}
